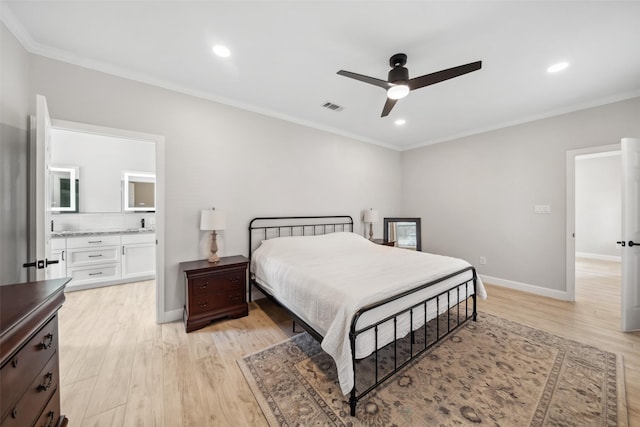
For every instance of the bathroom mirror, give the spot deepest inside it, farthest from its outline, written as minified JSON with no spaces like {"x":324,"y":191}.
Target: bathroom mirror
{"x":405,"y":232}
{"x":139,"y":192}
{"x":64,"y":183}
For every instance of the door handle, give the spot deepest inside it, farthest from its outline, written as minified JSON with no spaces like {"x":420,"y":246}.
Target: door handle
{"x":622,"y":243}
{"x":48,"y":262}
{"x":631,"y":243}
{"x":29,"y":264}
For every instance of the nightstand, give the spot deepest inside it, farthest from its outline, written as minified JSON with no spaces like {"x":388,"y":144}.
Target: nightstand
{"x":214,"y":291}
{"x":383,"y":242}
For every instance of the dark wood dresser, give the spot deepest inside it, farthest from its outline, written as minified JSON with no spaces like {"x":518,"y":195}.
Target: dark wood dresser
{"x":29,"y":369}
{"x":213,"y":291}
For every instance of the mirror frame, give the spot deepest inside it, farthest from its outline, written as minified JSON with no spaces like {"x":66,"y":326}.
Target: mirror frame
{"x":418,"y":229}
{"x":74,"y":177}
{"x":130,"y":177}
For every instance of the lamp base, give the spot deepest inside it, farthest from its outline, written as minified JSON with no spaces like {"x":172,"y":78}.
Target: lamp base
{"x":214,"y":258}
{"x":214,"y":248}
{"x":371,"y":231}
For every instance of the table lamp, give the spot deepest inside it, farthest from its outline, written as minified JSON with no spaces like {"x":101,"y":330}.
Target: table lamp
{"x":371,"y":216}
{"x":212,"y":220}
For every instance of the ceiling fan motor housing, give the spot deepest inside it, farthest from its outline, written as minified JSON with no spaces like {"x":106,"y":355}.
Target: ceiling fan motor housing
{"x":398,"y":75}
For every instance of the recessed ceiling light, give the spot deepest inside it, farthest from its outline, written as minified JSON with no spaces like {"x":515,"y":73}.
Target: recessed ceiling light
{"x":555,"y":68}
{"x":400,"y":122}
{"x":221,"y":51}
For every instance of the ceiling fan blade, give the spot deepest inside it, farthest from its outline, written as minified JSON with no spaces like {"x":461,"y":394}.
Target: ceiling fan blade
{"x":388,"y":105}
{"x":440,"y":76}
{"x":366,"y":79}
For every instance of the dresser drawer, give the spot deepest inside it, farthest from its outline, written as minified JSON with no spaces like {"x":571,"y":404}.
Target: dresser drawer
{"x":93,"y":241}
{"x":217,"y":301}
{"x":25,"y":411}
{"x":22,"y":368}
{"x":213,"y":283}
{"x":51,"y":414}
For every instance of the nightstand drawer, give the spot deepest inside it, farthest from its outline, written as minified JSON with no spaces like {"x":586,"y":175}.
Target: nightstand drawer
{"x":219,"y":282}
{"x":218,"y":301}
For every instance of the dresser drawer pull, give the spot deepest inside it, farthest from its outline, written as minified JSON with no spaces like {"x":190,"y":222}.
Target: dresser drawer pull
{"x":95,"y":274}
{"x":203,"y":304}
{"x":204,"y":285}
{"x":235,"y":298}
{"x":14,"y":362}
{"x":51,"y":416}
{"x":95,"y":256}
{"x":234,"y":279}
{"x":14,"y":413}
{"x":49,"y":379}
{"x":47,"y":341}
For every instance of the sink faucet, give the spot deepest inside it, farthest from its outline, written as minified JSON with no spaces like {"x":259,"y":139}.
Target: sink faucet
{"x":142,"y":222}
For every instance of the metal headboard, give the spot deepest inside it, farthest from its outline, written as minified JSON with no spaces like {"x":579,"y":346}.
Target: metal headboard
{"x":264,"y":228}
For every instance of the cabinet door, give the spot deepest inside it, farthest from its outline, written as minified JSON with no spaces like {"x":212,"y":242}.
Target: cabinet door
{"x":138,"y":260}
{"x":59,"y":270}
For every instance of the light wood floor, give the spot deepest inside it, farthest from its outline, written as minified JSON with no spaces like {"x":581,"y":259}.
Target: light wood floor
{"x":118,"y":368}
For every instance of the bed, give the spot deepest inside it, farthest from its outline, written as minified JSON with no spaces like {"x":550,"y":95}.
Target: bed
{"x":372,"y":307}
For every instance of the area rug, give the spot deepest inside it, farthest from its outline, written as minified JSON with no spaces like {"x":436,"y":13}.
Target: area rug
{"x":490,"y":372}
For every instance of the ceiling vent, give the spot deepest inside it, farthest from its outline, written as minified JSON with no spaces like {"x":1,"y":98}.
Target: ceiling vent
{"x":332,"y":106}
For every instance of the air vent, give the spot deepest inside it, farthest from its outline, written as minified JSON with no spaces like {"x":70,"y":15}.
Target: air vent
{"x":332,"y":106}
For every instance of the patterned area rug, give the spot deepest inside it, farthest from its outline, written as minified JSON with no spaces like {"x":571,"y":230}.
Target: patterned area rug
{"x":490,"y":372}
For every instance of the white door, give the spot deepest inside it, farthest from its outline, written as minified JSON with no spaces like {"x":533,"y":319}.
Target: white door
{"x":42,"y":201}
{"x":631,"y":234}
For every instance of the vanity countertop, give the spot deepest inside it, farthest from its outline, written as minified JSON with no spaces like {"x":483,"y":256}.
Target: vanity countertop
{"x":101,"y":232}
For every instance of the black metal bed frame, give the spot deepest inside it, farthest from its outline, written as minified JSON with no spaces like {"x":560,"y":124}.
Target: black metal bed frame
{"x":341,"y":223}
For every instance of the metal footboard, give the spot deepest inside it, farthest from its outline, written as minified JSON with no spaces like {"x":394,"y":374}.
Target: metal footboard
{"x":415,"y":348}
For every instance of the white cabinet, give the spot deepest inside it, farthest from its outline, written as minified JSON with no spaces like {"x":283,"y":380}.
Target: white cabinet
{"x":58,"y":252}
{"x":93,"y":259}
{"x":138,"y":256}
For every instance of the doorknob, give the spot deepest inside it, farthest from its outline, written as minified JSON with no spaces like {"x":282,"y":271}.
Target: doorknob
{"x":631,"y":243}
{"x":29,"y":264}
{"x":622,"y":243}
{"x":48,"y":262}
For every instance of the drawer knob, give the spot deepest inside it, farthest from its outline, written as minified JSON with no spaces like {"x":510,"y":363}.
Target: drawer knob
{"x":14,"y":362}
{"x":48,"y":380}
{"x":47,"y":341}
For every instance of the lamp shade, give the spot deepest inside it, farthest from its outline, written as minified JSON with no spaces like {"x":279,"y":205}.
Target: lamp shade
{"x":371,"y":216}
{"x":212,"y":220}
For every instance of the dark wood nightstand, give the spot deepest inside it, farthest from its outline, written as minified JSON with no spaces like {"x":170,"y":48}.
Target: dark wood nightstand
{"x":213,"y":291}
{"x":383,"y":242}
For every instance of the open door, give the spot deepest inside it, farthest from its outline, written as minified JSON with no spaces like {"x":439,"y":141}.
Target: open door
{"x":630,"y":234}
{"x":40,"y":154}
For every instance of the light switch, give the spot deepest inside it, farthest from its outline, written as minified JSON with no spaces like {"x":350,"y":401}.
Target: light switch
{"x":542,"y":209}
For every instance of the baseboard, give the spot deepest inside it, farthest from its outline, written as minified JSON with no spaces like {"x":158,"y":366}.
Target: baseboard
{"x":525,"y":287}
{"x":614,"y":258}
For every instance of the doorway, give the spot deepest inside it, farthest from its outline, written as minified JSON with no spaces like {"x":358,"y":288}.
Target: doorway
{"x":593,"y":221}
{"x":598,"y":213}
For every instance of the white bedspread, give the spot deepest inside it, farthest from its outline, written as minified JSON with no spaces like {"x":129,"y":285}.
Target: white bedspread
{"x":325,"y":279}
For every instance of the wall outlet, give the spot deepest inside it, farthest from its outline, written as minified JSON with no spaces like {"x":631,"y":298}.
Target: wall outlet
{"x":483,"y":260}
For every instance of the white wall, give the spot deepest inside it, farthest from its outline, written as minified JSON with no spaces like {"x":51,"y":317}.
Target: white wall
{"x":598,"y":205}
{"x":476,"y":195}
{"x":101,"y":160}
{"x":241,"y":162}
{"x":14,"y":111}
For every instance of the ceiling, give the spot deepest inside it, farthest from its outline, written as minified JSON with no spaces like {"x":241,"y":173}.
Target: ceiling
{"x":285,"y":55}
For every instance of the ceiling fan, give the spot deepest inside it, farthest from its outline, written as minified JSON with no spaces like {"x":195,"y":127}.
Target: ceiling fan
{"x":398,"y":83}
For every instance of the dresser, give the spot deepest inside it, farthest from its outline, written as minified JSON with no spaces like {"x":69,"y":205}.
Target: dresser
{"x":214,"y":290}
{"x":29,"y":368}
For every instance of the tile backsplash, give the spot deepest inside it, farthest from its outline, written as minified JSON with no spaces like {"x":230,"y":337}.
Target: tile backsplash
{"x":101,"y":222}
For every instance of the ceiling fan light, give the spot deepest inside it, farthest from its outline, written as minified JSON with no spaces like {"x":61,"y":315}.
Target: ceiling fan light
{"x":398,"y":91}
